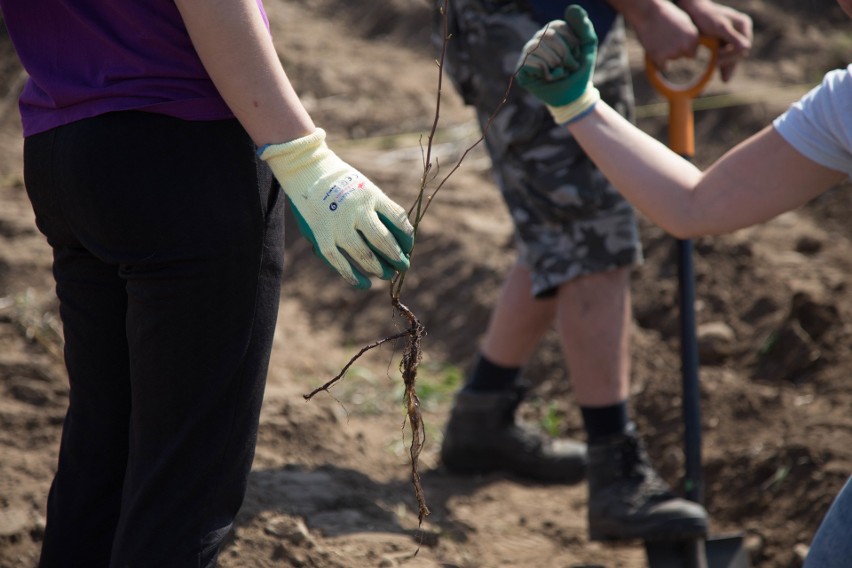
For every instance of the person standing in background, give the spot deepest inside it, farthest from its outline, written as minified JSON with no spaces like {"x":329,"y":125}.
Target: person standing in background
{"x":804,"y":152}
{"x":578,"y":241}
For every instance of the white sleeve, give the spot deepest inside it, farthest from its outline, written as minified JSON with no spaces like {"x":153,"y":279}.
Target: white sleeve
{"x":819,"y":126}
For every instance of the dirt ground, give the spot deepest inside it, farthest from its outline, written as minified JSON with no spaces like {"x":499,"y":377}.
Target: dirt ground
{"x":330,"y":484}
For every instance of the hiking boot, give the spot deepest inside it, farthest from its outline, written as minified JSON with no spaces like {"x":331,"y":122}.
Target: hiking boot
{"x":629,"y":500}
{"x":482,"y":436}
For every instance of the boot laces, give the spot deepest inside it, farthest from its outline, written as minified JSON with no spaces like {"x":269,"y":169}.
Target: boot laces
{"x":636,"y":466}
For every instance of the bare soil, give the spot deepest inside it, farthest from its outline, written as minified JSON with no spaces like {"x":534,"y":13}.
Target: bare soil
{"x":330,"y":485}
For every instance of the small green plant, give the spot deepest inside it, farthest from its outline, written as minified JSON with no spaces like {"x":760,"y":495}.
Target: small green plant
{"x":552,"y":419}
{"x":777,"y":478}
{"x":768,"y":344}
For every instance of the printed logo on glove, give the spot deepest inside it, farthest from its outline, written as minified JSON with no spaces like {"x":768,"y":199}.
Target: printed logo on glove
{"x":341,"y":189}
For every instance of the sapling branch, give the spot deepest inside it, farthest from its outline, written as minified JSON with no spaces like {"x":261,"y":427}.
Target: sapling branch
{"x":413,"y":335}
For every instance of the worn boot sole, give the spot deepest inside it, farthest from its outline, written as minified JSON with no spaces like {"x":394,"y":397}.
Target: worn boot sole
{"x":474,"y":463}
{"x":668,"y":529}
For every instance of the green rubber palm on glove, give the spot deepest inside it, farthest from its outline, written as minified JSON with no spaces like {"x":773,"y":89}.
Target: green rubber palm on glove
{"x":354,"y":227}
{"x":557,"y":65}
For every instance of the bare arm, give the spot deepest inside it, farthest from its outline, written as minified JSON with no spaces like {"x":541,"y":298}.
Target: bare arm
{"x":236,"y":49}
{"x":755,"y":181}
{"x":366,"y":233}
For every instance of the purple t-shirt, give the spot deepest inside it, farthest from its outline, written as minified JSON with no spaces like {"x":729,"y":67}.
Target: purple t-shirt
{"x":89,"y":57}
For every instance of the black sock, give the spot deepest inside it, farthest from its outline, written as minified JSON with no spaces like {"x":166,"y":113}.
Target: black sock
{"x":601,"y":422}
{"x":488,"y":376}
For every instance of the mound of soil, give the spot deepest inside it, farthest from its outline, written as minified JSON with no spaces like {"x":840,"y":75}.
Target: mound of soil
{"x":330,"y":485}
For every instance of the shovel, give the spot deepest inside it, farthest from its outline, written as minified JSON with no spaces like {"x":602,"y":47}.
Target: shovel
{"x":726,"y":551}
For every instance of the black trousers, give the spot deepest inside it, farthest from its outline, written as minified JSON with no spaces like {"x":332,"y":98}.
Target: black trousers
{"x":167,"y":238}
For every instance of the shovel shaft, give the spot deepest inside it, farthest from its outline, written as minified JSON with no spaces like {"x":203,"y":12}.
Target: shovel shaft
{"x":681,"y":133}
{"x":681,"y":125}
{"x":692,"y":553}
{"x":694,"y":476}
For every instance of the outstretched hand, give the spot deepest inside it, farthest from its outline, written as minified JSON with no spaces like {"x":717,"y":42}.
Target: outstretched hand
{"x":353,"y":226}
{"x":557,"y":65}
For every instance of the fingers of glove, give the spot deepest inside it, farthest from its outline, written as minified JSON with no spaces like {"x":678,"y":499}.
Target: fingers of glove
{"x":382,"y":242}
{"x":373,"y":205}
{"x":396,"y":220}
{"x":325,"y":249}
{"x":361,"y":257}
{"x":579,"y":23}
{"x":549,"y":52}
{"x":554,"y":50}
{"x":532,"y":66}
{"x":388,"y":271}
{"x":347,"y":268}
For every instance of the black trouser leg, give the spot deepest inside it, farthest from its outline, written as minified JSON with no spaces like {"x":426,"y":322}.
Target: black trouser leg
{"x":168,"y":246}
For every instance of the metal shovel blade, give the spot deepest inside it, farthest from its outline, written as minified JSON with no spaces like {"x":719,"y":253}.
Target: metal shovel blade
{"x":724,"y":551}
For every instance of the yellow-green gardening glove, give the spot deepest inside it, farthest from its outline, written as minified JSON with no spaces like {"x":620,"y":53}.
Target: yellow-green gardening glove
{"x":557,"y":65}
{"x":354,"y":227}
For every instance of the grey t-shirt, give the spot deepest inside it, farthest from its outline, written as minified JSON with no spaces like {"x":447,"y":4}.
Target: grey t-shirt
{"x":819,"y":125}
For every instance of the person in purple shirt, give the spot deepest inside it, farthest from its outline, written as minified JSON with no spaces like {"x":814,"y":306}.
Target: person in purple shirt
{"x":155,"y":132}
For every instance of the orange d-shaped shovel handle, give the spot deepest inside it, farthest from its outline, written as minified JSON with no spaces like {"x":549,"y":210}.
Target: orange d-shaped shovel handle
{"x":681,"y":125}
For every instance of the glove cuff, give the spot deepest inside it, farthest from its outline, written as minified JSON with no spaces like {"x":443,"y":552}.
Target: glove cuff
{"x":301,"y":163}
{"x":575,"y":110}
{"x":294,"y":147}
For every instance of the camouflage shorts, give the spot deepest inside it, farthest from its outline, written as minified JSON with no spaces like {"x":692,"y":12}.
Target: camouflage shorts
{"x":568,"y":218}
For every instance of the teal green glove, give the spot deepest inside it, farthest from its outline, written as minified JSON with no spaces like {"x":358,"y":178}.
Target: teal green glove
{"x":557,"y":65}
{"x":354,"y":227}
